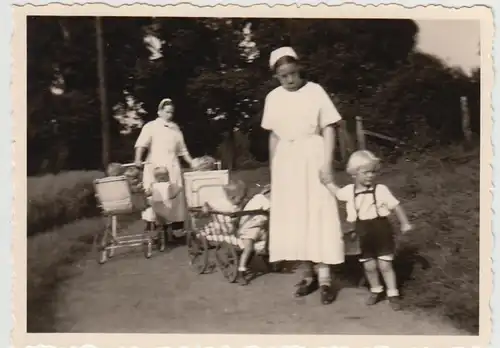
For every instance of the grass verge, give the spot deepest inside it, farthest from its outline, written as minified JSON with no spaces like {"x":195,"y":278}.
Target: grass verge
{"x":54,"y":200}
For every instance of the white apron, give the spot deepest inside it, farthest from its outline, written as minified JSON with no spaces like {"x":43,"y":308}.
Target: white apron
{"x":304,"y":221}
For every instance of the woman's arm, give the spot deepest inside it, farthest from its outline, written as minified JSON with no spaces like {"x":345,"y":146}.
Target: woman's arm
{"x":183,"y":151}
{"x":273,"y":142}
{"x":329,"y":143}
{"x":329,"y":149}
{"x":139,"y":153}
{"x":189,"y":160}
{"x":143,"y":142}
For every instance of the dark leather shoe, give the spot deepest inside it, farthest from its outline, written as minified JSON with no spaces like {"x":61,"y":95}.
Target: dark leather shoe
{"x":305,"y":287}
{"x":242,"y":278}
{"x":328,"y":294}
{"x":374,"y":298}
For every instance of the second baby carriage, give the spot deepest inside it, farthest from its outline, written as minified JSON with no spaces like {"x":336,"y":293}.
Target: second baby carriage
{"x":233,"y":229}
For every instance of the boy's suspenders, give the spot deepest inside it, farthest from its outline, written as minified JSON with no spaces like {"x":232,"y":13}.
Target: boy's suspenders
{"x":370,"y":190}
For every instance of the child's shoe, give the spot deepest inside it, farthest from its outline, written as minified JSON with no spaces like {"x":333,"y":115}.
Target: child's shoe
{"x":374,"y":298}
{"x":395,"y":302}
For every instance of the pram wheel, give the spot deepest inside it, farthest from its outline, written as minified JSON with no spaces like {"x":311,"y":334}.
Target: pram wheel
{"x":227,"y":260}
{"x":197,"y":252}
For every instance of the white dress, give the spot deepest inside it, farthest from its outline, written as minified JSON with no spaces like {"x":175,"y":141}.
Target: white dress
{"x":304,"y":219}
{"x":165,"y":143}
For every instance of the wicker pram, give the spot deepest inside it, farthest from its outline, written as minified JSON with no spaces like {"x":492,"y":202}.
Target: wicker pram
{"x":116,"y":198}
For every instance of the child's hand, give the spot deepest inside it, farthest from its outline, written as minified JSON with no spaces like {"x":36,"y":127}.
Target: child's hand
{"x":406,"y":227}
{"x":351,"y":235}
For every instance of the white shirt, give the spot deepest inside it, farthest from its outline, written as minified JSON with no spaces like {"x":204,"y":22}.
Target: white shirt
{"x":363,"y":205}
{"x":164,"y":140}
{"x":298,"y":114}
{"x":258,"y":202}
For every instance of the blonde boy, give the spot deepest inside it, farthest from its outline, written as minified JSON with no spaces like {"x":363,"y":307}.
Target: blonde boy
{"x":368,"y":206}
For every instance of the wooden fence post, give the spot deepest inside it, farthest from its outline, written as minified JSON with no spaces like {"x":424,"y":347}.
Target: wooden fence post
{"x":465,"y":120}
{"x":360,"y":133}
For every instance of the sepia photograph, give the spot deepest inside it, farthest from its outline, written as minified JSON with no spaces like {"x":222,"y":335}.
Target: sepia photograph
{"x":173,"y":185}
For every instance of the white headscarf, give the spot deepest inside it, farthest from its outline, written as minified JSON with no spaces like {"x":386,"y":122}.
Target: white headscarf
{"x":280,"y":53}
{"x":164,"y":102}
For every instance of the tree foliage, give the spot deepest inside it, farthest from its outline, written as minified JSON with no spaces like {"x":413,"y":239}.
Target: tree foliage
{"x":218,"y":83}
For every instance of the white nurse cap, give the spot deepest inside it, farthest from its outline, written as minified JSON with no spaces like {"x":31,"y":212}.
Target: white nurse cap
{"x":165,"y":101}
{"x":280,"y":53}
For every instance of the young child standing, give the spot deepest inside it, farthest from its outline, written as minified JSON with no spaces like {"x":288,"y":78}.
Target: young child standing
{"x":162,"y":194}
{"x":368,"y":206}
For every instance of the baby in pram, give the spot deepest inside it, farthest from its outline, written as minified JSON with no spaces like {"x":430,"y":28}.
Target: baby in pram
{"x":132,"y":174}
{"x":251,"y":228}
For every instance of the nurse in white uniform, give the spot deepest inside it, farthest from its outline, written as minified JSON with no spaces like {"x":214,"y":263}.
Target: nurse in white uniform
{"x":165,"y":144}
{"x":304,"y":220}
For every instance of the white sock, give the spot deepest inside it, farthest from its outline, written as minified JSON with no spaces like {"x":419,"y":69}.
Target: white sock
{"x":377,"y":290}
{"x":392,"y":292}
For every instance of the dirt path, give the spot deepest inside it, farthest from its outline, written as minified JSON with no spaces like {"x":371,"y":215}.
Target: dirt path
{"x":162,"y":295}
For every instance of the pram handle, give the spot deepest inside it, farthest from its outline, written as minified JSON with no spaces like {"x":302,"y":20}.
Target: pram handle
{"x":132,"y":164}
{"x":238,"y":214}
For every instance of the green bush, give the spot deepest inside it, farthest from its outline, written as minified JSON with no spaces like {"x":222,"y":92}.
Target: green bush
{"x":441,"y":195}
{"x":54,"y":200}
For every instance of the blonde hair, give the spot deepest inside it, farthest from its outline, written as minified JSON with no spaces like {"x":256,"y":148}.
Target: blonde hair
{"x":237,"y":189}
{"x":161,"y":174}
{"x":359,"y":159}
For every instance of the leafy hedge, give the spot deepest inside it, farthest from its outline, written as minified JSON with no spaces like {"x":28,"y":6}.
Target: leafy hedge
{"x":54,"y":200}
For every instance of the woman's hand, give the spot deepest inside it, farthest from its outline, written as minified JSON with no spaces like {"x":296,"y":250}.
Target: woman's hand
{"x":139,"y":151}
{"x":326,"y":174}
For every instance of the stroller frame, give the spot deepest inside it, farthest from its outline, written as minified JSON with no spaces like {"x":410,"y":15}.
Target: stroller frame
{"x":120,"y":202}
{"x":225,"y":248}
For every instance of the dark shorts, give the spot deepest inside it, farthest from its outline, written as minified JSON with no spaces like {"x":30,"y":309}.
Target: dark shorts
{"x":376,"y":238}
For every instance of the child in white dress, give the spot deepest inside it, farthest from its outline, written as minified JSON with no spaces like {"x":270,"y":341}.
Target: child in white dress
{"x":304,"y":220}
{"x":368,"y":207}
{"x":161,"y":195}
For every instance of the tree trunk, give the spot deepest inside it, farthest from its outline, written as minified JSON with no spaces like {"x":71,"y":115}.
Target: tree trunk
{"x":102,"y":93}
